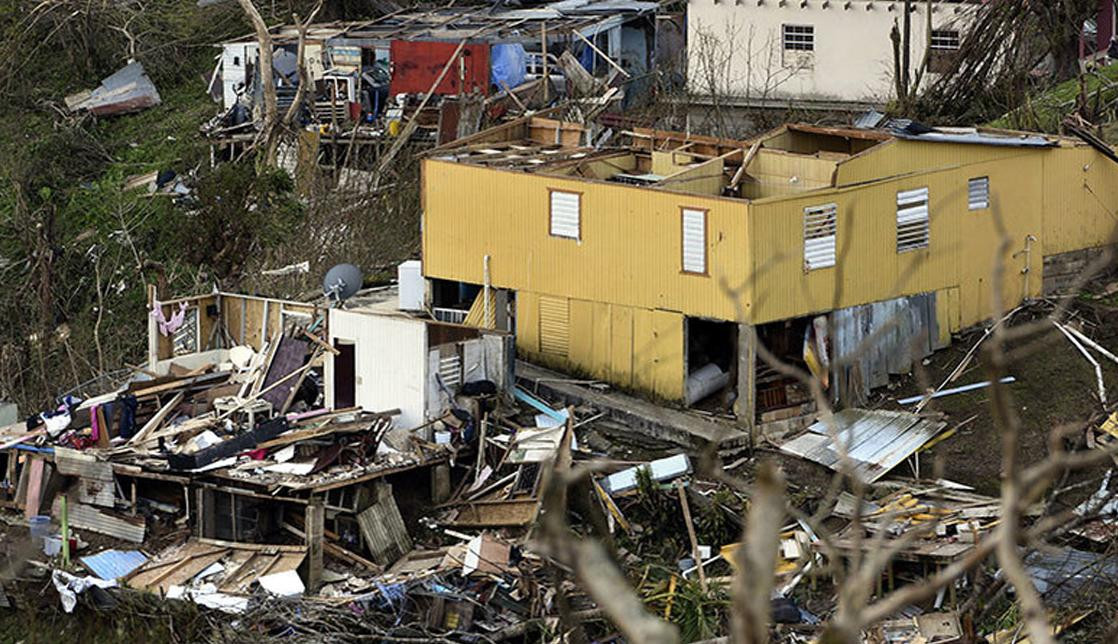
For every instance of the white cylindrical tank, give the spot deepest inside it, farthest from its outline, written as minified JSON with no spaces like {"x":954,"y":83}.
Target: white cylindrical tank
{"x":705,"y":381}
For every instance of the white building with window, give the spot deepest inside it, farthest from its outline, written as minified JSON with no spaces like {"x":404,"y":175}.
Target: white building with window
{"x":824,"y":54}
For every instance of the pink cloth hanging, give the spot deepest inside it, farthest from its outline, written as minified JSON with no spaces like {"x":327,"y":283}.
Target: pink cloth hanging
{"x":168,"y":326}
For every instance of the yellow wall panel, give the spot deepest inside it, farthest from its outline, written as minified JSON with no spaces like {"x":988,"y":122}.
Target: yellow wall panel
{"x":528,"y":322}
{"x":645,"y":351}
{"x":1080,"y":200}
{"x":600,"y":332}
{"x":630,"y":247}
{"x":670,"y":372}
{"x":621,"y":345}
{"x":581,"y":338}
{"x":963,"y":245}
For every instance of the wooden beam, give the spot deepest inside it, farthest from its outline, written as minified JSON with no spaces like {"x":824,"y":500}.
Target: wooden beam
{"x":740,"y":174}
{"x":601,"y":53}
{"x":315,"y":524}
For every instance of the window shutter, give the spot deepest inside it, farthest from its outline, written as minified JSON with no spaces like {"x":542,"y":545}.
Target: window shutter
{"x":554,"y":326}
{"x":978,"y":193}
{"x":912,"y":219}
{"x":565,"y":214}
{"x":694,"y":241}
{"x":450,"y":370}
{"x":820,"y":225}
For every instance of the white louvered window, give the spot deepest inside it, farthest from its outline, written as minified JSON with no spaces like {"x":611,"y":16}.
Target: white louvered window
{"x":450,"y":370}
{"x":820,"y":225}
{"x":912,"y":219}
{"x":978,"y":193}
{"x":566,"y":214}
{"x":694,"y":240}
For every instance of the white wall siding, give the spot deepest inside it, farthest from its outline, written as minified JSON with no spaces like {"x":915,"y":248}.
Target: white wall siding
{"x":391,"y":364}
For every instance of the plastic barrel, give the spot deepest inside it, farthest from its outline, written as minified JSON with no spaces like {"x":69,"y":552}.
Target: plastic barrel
{"x":40,"y":527}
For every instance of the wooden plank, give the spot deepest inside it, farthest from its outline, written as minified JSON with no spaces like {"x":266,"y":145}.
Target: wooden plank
{"x":497,"y":513}
{"x":157,"y":419}
{"x":314,"y":524}
{"x":34,"y":487}
{"x":337,"y":551}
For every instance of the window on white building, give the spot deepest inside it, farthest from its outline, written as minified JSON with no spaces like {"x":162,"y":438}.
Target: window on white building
{"x":946,"y":39}
{"x":799,"y":37}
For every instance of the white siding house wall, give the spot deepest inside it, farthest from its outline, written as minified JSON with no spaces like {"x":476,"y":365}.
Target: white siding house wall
{"x":391,"y":365}
{"x":233,"y":76}
{"x":849,"y":60}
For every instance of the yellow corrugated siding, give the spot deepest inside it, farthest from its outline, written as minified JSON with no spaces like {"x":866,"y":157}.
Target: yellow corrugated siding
{"x":528,"y":323}
{"x":626,"y":297}
{"x":962,"y":244}
{"x":628,"y":254}
{"x":778,"y":173}
{"x":555,"y":327}
{"x":899,"y":156}
{"x":476,"y":315}
{"x":631,"y":347}
{"x":1080,"y":199}
{"x":621,"y":345}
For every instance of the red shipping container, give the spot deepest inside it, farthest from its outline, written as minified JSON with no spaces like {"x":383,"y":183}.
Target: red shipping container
{"x":415,"y":65}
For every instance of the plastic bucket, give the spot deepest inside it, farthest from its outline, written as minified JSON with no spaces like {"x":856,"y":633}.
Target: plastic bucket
{"x":40,"y":527}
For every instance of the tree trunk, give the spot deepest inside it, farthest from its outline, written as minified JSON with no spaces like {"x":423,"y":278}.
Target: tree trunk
{"x":267,"y":80}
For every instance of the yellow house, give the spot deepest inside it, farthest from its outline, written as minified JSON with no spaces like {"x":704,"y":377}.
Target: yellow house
{"x":665,"y":265}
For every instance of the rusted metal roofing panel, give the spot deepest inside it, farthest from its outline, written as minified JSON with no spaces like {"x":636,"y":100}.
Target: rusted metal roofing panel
{"x":87,"y":517}
{"x":74,"y":463}
{"x":875,"y":441}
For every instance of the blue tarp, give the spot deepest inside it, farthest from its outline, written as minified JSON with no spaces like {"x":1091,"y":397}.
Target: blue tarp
{"x":508,"y":64}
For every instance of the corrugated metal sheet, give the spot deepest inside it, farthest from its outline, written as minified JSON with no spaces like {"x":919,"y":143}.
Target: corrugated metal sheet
{"x":87,"y":517}
{"x":694,"y":240}
{"x":554,"y":326}
{"x":566,"y":213}
{"x":416,"y":65}
{"x":903,"y":330}
{"x":875,"y":441}
{"x":820,"y":227}
{"x":980,"y":138}
{"x":1060,"y":574}
{"x":71,"y":462}
{"x":978,"y":193}
{"x":114,"y":564}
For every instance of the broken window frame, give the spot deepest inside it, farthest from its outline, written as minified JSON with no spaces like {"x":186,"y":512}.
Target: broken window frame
{"x":564,"y":229}
{"x":693,"y":265}
{"x":820,"y":236}
{"x":978,"y":193}
{"x":913,"y":219}
{"x":190,"y":332}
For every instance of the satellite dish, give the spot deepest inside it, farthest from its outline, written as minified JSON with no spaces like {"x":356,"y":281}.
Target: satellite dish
{"x":341,"y":282}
